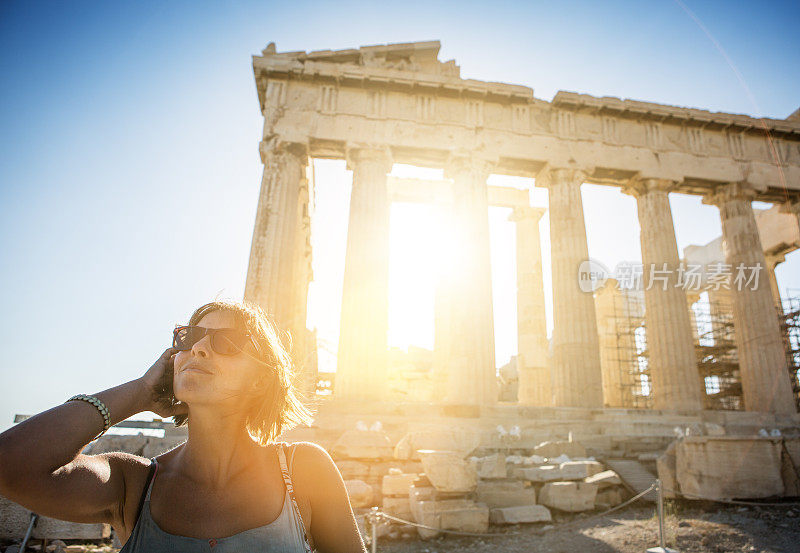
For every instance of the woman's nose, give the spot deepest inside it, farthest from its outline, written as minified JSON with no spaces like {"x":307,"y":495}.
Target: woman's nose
{"x":201,"y":347}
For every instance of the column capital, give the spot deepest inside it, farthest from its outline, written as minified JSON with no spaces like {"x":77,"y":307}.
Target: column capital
{"x":549,"y":175}
{"x":774,"y":259}
{"x":357,"y":154}
{"x":730,"y":191}
{"x":463,"y":162}
{"x":639,"y":186}
{"x":273,"y":146}
{"x":521,"y":213}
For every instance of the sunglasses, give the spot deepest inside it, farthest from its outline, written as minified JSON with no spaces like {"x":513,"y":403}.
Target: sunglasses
{"x":225,"y":341}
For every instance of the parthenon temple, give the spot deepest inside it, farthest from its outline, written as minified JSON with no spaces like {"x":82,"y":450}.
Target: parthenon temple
{"x":376,"y":106}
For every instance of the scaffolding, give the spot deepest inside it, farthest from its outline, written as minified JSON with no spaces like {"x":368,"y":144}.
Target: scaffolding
{"x":717,"y":357}
{"x":790,"y":329}
{"x":623,"y":349}
{"x":625,"y":356}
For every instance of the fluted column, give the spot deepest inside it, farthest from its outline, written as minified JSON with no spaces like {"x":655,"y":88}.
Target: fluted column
{"x":361,"y":367}
{"x":673,"y":364}
{"x":576,"y":374}
{"x":532,"y":366}
{"x":276,"y":279}
{"x":762,"y":361}
{"x":472,"y":373}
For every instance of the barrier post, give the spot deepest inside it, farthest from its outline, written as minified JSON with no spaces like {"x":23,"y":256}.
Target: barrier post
{"x":661,"y":548}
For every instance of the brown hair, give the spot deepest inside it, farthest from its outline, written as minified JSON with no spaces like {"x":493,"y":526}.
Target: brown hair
{"x":279,"y":407}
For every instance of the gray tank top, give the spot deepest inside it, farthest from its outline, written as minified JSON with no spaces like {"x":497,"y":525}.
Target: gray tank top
{"x":285,"y":534}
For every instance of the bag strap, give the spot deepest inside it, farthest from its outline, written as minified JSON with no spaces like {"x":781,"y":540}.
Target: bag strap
{"x":287,"y":479}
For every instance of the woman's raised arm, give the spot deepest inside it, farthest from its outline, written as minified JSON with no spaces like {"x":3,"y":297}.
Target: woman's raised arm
{"x":41,"y":466}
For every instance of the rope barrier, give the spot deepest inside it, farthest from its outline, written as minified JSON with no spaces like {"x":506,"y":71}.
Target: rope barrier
{"x":377,"y":515}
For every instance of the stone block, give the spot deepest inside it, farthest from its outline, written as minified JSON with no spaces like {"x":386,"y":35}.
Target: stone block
{"x":398,"y":484}
{"x":459,"y":441}
{"x":448,"y":472}
{"x":544,"y":473}
{"x":504,"y":496}
{"x":363,"y":444}
{"x":604,"y":479}
{"x":790,"y":468}
{"x":382,"y":467}
{"x":729,"y":467}
{"x":492,"y":466}
{"x":609,"y":497}
{"x":360,"y":493}
{"x":397,"y":506}
{"x":568,"y":496}
{"x":666,"y":465}
{"x":421,"y":493}
{"x":451,"y":514}
{"x":520,"y":514}
{"x":578,"y":470}
{"x":352,"y":470}
{"x":556,"y":448}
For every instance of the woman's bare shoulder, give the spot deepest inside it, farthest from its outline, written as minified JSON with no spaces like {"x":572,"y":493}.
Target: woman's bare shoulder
{"x":311,"y":460}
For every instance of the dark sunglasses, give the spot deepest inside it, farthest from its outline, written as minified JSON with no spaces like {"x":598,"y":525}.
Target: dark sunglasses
{"x":225,"y":341}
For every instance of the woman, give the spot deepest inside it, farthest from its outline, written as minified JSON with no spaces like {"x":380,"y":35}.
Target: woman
{"x":229,"y":488}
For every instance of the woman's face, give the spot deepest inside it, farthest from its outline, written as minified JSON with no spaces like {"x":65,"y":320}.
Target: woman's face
{"x":203,"y":376}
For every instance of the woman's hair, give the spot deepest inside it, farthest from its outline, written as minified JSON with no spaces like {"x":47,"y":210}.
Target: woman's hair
{"x":279,"y":408}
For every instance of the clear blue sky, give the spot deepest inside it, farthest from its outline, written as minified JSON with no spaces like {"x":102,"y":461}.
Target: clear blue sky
{"x":129,"y":167}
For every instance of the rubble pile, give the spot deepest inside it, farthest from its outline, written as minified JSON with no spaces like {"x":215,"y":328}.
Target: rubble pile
{"x":435,"y":478}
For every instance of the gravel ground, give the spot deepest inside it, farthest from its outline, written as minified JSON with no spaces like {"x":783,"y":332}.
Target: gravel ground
{"x":688,"y":528}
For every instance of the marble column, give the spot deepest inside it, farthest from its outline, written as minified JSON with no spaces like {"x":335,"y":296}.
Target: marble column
{"x":668,"y":327}
{"x":361,"y":371}
{"x":762,"y":361}
{"x":472,"y":372}
{"x":276,"y":276}
{"x":533,"y":369}
{"x":576,"y":374}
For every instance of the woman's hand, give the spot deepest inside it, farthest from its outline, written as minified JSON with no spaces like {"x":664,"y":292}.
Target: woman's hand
{"x":157,"y":386}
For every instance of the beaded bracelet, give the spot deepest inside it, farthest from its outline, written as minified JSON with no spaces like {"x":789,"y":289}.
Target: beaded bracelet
{"x":100,"y":407}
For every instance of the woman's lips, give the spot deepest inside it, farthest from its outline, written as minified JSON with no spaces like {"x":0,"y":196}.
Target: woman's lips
{"x":195,"y":368}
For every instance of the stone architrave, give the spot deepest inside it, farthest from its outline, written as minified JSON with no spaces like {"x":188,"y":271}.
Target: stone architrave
{"x":362,"y":357}
{"x":673,"y":363}
{"x":766,"y":383}
{"x":532,"y":366}
{"x":278,"y":274}
{"x":472,"y":374}
{"x":576,"y":374}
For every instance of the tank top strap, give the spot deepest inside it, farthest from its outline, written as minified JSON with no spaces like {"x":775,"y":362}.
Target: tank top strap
{"x":152,"y":477}
{"x":287,"y":479}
